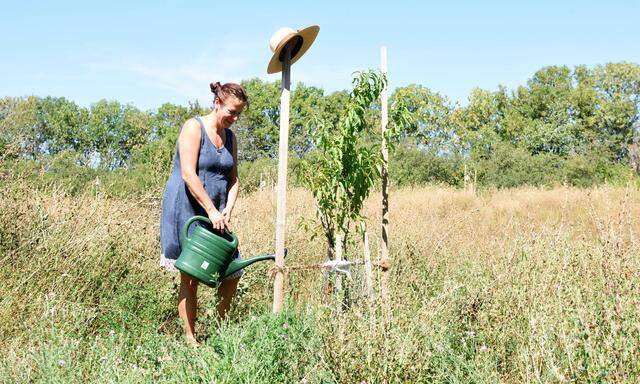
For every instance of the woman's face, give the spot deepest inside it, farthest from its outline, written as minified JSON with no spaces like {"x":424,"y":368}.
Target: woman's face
{"x":229,"y":111}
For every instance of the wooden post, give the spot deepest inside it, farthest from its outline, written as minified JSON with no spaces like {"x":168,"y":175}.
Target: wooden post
{"x":384,"y":246}
{"x":283,"y":152}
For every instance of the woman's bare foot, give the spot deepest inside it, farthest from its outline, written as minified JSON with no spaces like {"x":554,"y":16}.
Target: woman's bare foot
{"x":191,"y":340}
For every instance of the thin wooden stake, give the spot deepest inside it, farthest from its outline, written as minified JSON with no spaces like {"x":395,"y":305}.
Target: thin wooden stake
{"x":283,"y":151}
{"x":384,"y":248}
{"x":338,"y":286}
{"x":367,"y":264}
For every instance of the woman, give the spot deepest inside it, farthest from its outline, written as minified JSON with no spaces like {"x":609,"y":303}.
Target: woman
{"x":203,"y":181}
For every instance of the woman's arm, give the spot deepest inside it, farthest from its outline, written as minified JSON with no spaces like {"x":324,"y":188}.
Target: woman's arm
{"x":189,"y":148}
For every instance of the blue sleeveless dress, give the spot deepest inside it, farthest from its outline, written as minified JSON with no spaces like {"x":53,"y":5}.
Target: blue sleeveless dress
{"x":178,"y":205}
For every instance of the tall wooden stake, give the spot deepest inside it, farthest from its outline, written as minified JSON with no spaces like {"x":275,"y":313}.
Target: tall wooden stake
{"x":283,"y":149}
{"x":384,"y":247}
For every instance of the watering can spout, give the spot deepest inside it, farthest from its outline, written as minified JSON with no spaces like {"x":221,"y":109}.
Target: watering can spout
{"x":237,"y":265}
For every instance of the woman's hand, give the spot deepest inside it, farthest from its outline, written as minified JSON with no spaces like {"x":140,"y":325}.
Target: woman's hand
{"x":226,"y":213}
{"x":218,"y":221}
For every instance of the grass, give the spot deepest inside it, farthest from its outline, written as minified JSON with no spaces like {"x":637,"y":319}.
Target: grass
{"x":521,"y":285}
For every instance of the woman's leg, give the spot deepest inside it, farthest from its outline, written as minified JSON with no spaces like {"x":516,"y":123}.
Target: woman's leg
{"x":226,"y":291}
{"x":187,"y":304}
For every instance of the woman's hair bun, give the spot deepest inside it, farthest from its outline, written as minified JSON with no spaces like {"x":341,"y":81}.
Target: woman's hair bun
{"x":215,"y":87}
{"x":222,"y":92}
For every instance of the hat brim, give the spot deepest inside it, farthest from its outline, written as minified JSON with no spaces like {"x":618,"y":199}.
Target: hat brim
{"x":308,"y":35}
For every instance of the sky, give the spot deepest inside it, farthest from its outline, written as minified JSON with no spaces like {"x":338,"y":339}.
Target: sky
{"x":151,"y":52}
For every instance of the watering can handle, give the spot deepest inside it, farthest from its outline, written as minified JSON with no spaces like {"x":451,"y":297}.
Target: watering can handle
{"x":187,"y":224}
{"x":185,"y":228}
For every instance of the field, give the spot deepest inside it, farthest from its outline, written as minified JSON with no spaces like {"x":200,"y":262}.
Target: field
{"x":513,"y":286}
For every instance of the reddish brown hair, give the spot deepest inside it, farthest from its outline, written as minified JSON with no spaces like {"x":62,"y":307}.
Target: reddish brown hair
{"x":222,"y":92}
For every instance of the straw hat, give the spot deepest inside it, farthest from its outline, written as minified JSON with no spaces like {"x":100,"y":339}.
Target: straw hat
{"x":303,"y":39}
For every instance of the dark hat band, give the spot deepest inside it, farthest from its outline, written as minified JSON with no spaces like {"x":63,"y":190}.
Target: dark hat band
{"x":296,"y":42}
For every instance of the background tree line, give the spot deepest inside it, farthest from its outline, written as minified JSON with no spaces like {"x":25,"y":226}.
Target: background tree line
{"x":577,"y":126}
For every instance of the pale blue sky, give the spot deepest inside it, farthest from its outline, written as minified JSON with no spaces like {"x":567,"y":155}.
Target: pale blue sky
{"x":150,"y":52}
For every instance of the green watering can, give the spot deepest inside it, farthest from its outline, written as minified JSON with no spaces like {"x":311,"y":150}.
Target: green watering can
{"x":208,"y":256}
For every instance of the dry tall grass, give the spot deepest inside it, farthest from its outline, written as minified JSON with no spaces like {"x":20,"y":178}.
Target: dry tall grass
{"x":524,"y":285}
